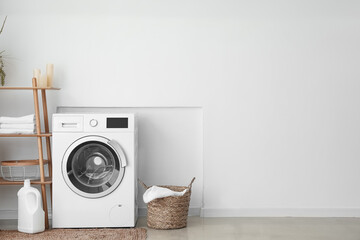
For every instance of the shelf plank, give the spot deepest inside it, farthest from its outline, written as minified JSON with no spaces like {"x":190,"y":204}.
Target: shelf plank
{"x":26,"y":135}
{"x":4,"y":182}
{"x":29,"y":88}
{"x":18,"y":163}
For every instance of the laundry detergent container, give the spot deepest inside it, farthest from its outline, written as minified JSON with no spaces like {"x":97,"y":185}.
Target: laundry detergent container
{"x":169,"y":212}
{"x":31,"y":216}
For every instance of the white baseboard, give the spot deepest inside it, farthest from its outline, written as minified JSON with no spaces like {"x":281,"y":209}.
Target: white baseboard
{"x":13,"y":214}
{"x":8,"y":214}
{"x":244,"y":212}
{"x":280,"y":212}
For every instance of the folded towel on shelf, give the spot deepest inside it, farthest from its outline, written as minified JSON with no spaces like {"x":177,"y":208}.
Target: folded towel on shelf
{"x":159,"y":192}
{"x":25,"y":119}
{"x":17,"y":125}
{"x":17,"y":131}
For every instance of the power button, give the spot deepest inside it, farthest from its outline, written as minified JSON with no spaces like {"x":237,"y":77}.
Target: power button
{"x":93,"y":122}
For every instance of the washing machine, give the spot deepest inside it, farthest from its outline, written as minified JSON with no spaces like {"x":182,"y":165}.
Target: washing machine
{"x":94,"y":170}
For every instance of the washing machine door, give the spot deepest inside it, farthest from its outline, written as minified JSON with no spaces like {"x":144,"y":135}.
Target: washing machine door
{"x":93,"y":166}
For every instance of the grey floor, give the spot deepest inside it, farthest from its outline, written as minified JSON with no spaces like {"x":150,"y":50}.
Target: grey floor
{"x":253,"y":229}
{"x":263,"y":229}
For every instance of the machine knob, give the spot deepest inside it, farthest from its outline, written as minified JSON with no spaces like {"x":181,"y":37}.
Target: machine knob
{"x":93,"y":122}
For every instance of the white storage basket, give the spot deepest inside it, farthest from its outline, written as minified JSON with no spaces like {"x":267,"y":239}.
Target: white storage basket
{"x":21,"y":170}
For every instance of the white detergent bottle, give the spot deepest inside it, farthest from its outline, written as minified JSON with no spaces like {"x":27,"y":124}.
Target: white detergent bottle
{"x":31,"y":216}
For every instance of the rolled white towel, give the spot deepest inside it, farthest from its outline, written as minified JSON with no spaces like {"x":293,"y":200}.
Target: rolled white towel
{"x":17,"y":131}
{"x":17,"y":125}
{"x":25,"y":119}
{"x":159,"y":192}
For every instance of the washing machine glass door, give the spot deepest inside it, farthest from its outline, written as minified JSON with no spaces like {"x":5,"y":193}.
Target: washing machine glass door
{"x":93,"y":167}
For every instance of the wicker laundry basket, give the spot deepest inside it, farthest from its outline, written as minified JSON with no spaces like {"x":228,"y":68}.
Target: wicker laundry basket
{"x":169,"y":212}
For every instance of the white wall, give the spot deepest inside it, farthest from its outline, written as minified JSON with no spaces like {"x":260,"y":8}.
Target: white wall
{"x":277,"y":80}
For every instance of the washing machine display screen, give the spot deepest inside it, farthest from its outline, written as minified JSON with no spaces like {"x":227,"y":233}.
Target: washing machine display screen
{"x":117,"y":123}
{"x":93,"y":167}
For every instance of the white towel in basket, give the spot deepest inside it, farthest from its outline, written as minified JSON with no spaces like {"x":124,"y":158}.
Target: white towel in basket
{"x":25,"y":119}
{"x":159,"y":192}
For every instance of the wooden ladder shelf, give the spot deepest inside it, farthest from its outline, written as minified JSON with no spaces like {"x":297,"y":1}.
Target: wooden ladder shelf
{"x":39,"y":135}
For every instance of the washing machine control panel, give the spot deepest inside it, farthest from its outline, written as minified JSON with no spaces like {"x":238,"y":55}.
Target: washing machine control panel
{"x":93,"y":123}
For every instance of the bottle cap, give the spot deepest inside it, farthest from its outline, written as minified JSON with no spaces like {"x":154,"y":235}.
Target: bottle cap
{"x":27,"y":183}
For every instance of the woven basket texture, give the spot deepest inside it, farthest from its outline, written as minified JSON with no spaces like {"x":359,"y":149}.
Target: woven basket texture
{"x":169,"y":212}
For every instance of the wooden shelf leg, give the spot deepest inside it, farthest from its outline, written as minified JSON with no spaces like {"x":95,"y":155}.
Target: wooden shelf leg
{"x":48,"y":144}
{"x":40,"y":149}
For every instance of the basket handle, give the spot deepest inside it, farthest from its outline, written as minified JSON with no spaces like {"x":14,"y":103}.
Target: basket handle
{"x":190,"y":185}
{"x":143,"y":184}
